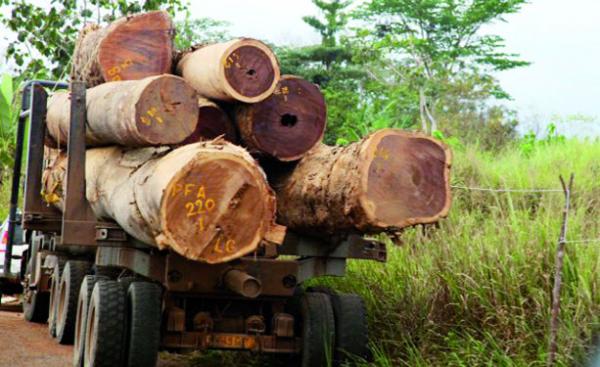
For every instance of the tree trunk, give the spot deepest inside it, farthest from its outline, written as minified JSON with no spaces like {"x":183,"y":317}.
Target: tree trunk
{"x":212,"y":123}
{"x":207,"y":201}
{"x":154,"y":111}
{"x":387,"y":181}
{"x":287,"y":124}
{"x":129,"y":48}
{"x":244,"y":70}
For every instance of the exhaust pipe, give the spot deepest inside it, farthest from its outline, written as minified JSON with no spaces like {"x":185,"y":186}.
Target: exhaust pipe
{"x":242,"y":283}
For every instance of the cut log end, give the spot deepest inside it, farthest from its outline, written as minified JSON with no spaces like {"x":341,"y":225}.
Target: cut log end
{"x":166,"y":112}
{"x":212,"y":123}
{"x":135,"y":48}
{"x":251,"y":70}
{"x":287,"y":124}
{"x":405,"y":179}
{"x":216,"y":209}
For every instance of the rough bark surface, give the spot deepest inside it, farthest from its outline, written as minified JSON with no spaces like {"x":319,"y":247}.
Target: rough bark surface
{"x":244,"y":70}
{"x":287,"y":124}
{"x":207,"y":201}
{"x":212,"y":123}
{"x":387,"y":181}
{"x":129,"y":48}
{"x":154,"y":111}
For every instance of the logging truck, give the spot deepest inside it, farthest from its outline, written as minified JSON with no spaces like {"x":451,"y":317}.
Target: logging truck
{"x":182,"y":202}
{"x":120,"y":301}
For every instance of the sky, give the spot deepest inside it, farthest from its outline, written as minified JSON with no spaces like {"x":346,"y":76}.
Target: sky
{"x":559,"y":38}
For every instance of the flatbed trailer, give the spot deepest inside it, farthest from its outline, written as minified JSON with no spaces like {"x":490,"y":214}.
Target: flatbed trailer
{"x":120,"y":301}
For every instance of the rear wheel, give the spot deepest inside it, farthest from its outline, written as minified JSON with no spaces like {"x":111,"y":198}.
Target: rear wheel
{"x":351,"y":334}
{"x":68,"y":293}
{"x":35,"y":303}
{"x":54,"y":285}
{"x":83,"y":301}
{"x":144,"y":311}
{"x":104,"y":331}
{"x":318,"y":330}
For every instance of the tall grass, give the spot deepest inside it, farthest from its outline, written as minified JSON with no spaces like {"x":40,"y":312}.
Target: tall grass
{"x":476,"y":291}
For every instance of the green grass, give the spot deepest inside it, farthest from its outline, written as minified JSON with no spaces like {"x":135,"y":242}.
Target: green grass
{"x":476,"y":291}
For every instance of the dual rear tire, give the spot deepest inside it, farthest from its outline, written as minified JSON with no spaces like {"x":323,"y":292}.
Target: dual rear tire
{"x":334,"y":328}
{"x":121,"y":326}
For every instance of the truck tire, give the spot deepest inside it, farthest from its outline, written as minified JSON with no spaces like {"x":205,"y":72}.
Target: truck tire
{"x":35,"y":303}
{"x":351,"y":332}
{"x":83,"y":301}
{"x":68,"y":293}
{"x":54,"y":285}
{"x":318,"y":330}
{"x":35,"y":306}
{"x":144,"y":301}
{"x":105,"y":324}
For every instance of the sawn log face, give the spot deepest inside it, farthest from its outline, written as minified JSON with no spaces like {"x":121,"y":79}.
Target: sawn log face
{"x":129,"y":48}
{"x":207,"y":201}
{"x":387,"y":181}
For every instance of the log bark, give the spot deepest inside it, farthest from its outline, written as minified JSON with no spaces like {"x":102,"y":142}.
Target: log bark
{"x":287,"y":124}
{"x":156,"y":110}
{"x":387,"y":181}
{"x":207,"y":201}
{"x":212,"y":123}
{"x":244,"y":70}
{"x":129,"y":48}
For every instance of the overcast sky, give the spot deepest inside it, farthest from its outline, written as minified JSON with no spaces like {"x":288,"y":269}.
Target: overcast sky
{"x":559,"y":37}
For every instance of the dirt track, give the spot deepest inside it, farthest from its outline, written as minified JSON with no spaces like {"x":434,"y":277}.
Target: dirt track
{"x":25,"y":344}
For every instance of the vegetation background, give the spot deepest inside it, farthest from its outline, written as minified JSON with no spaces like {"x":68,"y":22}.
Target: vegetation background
{"x":477,"y":289}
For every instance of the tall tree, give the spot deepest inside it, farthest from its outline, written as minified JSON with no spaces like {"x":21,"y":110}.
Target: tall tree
{"x":438,"y":40}
{"x":46,"y":34}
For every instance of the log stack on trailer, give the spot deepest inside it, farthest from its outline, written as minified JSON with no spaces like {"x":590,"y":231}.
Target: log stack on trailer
{"x":212,"y":164}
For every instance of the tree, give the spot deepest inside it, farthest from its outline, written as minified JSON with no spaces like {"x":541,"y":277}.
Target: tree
{"x":46,"y":35}
{"x":330,"y":59}
{"x":201,"y":30}
{"x":439,"y":41}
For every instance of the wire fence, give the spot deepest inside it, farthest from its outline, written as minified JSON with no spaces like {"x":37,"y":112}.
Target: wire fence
{"x":526,"y":191}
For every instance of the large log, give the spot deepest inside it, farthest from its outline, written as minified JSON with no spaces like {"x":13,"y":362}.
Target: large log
{"x":287,"y":124}
{"x":129,"y":48}
{"x":156,"y":110}
{"x":387,"y":181}
{"x":207,"y":201}
{"x":212,"y":123}
{"x":244,"y":70}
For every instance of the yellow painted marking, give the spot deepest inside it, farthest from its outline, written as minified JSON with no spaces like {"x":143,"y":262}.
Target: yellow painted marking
{"x":382,"y":153}
{"x":188,"y":189}
{"x":146,"y":121}
{"x":177,"y":188}
{"x":200,"y":224}
{"x":228,"y":248}
{"x":201,"y":194}
{"x":115,"y":71}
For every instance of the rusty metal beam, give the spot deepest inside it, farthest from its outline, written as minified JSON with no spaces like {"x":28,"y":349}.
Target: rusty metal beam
{"x":79,"y":222}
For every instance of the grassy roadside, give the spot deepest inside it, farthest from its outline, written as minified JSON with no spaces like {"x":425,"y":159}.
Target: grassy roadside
{"x":476,"y":291}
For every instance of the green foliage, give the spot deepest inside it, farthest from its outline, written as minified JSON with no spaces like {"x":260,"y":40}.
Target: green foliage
{"x":46,"y":36}
{"x":191,"y":31}
{"x":8,"y":119}
{"x":530,"y":141}
{"x":439,"y":41}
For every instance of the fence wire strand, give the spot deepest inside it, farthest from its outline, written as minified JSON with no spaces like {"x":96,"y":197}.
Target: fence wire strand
{"x":489,"y":189}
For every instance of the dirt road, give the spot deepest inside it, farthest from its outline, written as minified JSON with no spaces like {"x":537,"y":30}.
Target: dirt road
{"x":25,"y":344}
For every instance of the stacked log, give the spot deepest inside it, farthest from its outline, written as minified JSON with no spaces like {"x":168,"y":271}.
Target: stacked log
{"x":244,"y":70}
{"x":153,"y":111}
{"x":389,"y":180}
{"x":130,"y":48}
{"x":207,"y":201}
{"x":287,"y":124}
{"x":172,"y":177}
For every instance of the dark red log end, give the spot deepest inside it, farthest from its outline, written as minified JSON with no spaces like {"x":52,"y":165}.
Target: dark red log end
{"x":250,"y":71}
